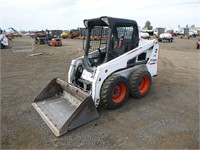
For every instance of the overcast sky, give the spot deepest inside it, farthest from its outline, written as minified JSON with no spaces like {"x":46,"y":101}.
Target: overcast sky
{"x":68,"y":14}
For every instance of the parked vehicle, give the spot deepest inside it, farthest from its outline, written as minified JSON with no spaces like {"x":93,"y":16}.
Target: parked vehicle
{"x":144,"y":35}
{"x":165,"y":36}
{"x":192,"y":34}
{"x":74,"y":33}
{"x":171,"y":32}
{"x":64,"y":34}
{"x":185,"y":33}
{"x":41,"y":39}
{"x":55,"y":42}
{"x":4,"y":41}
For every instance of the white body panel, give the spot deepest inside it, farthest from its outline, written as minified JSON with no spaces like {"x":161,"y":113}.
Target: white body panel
{"x":117,"y":66}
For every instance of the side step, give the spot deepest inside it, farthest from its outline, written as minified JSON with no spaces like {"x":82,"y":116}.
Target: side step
{"x":64,"y":107}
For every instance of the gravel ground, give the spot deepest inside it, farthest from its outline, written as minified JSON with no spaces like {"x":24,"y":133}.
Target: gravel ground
{"x":168,"y":118}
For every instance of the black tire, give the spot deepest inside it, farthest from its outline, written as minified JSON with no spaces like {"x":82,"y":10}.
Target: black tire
{"x":197,"y":46}
{"x":114,"y":92}
{"x":140,"y":83}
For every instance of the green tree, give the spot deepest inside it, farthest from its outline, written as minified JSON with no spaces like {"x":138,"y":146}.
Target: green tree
{"x":148,"y":25}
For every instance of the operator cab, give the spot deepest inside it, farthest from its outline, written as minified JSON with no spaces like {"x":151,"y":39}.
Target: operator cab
{"x":108,"y":38}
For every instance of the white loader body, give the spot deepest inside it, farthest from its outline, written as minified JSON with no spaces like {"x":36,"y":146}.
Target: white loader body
{"x":117,"y":66}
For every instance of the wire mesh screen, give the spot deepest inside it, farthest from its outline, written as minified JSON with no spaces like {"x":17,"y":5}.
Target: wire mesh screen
{"x":125,"y":31}
{"x":121,"y":41}
{"x":124,"y":37}
{"x":98,"y":40}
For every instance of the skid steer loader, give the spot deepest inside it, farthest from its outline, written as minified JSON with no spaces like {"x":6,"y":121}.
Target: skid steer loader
{"x":113,"y":67}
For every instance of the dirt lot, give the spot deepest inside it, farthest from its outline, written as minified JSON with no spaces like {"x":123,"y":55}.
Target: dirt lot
{"x":168,"y":118}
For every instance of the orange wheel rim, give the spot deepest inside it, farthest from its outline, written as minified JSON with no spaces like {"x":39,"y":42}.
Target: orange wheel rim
{"x":118,"y":92}
{"x":144,"y":84}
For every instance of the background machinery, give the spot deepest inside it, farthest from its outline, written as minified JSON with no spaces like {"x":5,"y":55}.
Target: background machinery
{"x":56,"y":41}
{"x":74,"y":33}
{"x":41,"y":37}
{"x":159,"y":31}
{"x":185,"y":33}
{"x":64,"y":34}
{"x":50,"y":37}
{"x":198,"y":43}
{"x":165,"y":37}
{"x":144,"y":35}
{"x":3,"y":40}
{"x":16,"y":33}
{"x":114,"y":66}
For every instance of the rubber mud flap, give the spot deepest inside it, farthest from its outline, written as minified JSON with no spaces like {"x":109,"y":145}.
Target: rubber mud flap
{"x":64,"y":107}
